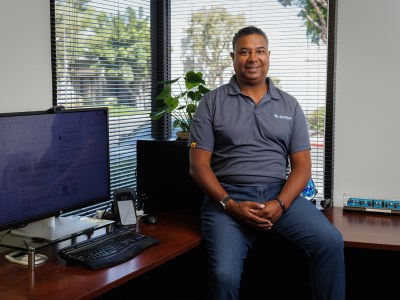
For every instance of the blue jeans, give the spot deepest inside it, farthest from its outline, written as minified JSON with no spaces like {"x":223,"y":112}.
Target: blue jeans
{"x":228,"y":242}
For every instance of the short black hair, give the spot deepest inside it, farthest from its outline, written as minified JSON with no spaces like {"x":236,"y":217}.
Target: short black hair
{"x":247,"y":31}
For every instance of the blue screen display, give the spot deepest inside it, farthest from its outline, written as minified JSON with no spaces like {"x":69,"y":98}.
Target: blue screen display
{"x":52,"y":163}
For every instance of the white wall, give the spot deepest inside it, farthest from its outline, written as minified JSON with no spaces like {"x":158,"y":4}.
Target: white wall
{"x":25,"y":57}
{"x":367,"y":86}
{"x":367,"y":119}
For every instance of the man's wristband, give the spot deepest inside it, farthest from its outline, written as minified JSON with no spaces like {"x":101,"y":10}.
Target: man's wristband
{"x":223,"y":202}
{"x":281,"y":204}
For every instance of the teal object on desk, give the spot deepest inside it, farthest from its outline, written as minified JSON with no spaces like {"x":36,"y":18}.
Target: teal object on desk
{"x":310,"y":191}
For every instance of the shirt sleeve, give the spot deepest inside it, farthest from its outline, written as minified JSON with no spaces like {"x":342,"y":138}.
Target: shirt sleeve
{"x":201,"y":131}
{"x":300,"y":139}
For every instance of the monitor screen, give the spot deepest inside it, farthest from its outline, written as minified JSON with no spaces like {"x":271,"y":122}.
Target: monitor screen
{"x":51,"y":163}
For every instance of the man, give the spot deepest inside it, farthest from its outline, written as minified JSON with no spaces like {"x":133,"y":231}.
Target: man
{"x":243,"y":136}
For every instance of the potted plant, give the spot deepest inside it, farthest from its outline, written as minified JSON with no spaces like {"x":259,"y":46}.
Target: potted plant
{"x":181,"y":102}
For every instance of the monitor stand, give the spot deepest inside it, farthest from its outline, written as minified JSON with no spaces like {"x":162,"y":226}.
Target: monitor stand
{"x":54,"y":228}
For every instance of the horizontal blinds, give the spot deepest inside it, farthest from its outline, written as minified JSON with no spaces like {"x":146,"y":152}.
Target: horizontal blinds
{"x":201,"y":35}
{"x":102,"y":58}
{"x":102,"y":55}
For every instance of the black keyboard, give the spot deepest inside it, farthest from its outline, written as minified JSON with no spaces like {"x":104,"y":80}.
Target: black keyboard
{"x":108,"y":249}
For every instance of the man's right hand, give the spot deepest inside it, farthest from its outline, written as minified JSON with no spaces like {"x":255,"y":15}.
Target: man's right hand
{"x":246,"y":212}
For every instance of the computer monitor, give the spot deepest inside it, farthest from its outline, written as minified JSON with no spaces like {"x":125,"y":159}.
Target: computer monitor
{"x":52,"y":163}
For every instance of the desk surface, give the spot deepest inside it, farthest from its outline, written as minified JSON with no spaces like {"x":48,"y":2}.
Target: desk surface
{"x":367,"y":230}
{"x":178,"y":234}
{"x":56,"y":280}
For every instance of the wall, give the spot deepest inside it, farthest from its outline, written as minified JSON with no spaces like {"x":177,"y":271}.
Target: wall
{"x":367,"y":101}
{"x":25,"y":59}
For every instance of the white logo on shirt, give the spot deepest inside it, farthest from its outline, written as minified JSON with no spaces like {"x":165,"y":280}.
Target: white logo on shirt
{"x":282,"y":117}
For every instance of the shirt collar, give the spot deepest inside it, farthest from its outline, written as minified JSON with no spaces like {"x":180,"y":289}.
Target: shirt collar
{"x":272,"y":90}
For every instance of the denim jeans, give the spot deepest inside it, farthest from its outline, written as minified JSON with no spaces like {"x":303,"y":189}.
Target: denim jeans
{"x":228,"y":242}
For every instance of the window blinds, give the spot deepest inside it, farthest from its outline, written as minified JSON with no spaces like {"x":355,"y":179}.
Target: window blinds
{"x":201,"y":35}
{"x":101,"y":55}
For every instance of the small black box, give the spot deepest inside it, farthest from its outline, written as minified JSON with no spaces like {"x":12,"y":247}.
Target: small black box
{"x":163,"y":180}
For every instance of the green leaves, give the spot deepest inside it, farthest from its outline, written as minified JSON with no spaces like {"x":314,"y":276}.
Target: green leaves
{"x":193,"y":79}
{"x":181,"y":102}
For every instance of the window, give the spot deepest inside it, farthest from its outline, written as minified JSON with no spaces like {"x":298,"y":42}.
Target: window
{"x":201,"y":35}
{"x":112,"y":53}
{"x":102,"y":57}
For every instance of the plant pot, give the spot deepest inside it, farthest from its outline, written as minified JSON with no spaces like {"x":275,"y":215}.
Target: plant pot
{"x":182,"y":135}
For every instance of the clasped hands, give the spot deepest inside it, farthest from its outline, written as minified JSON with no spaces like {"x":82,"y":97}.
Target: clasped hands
{"x":256,"y":215}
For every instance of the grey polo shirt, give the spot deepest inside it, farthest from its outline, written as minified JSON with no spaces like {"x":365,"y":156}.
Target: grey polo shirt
{"x":250,"y":143}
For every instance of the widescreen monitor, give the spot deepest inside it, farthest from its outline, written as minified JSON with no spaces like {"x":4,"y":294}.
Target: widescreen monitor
{"x":52,"y":163}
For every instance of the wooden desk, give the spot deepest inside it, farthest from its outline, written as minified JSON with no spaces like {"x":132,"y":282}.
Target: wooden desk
{"x":372,"y":245}
{"x":367,"y":230}
{"x":55,"y":280}
{"x":178,"y":233}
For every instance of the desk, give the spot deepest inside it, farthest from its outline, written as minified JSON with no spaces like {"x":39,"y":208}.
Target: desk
{"x":375,"y":231}
{"x":372,"y":245}
{"x":365,"y":236}
{"x":177,"y":233}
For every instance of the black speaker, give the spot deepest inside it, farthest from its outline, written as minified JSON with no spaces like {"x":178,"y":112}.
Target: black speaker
{"x":163,"y":179}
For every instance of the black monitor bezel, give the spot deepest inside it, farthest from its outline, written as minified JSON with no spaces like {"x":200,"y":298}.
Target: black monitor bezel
{"x":55,"y":213}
